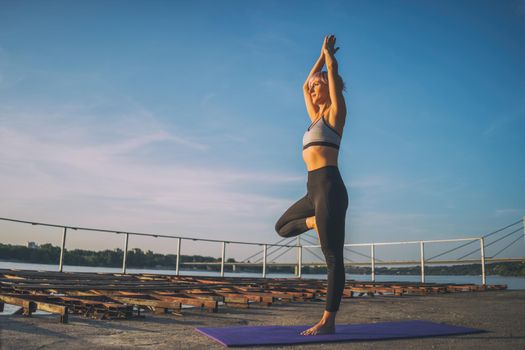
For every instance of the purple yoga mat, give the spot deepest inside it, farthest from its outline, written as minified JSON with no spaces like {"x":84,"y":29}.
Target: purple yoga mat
{"x":283,"y":335}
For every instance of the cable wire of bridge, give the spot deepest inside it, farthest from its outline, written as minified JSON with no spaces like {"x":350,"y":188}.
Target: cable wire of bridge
{"x":350,"y":250}
{"x":260,"y":252}
{"x":312,"y":252}
{"x":290,"y":240}
{"x":278,"y":256}
{"x":488,"y":245}
{"x":514,"y":241}
{"x":471,"y":242}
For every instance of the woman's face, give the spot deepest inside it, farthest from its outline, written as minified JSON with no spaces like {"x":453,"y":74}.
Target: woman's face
{"x":319,"y":92}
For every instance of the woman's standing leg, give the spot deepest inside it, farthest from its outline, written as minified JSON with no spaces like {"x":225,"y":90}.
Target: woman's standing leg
{"x":330,"y":201}
{"x":331,"y":226}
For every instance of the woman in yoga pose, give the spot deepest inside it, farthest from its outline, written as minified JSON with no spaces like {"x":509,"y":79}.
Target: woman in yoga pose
{"x":324,"y":206}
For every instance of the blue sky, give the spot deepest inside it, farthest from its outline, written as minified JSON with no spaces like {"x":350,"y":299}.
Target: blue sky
{"x":186,"y":117}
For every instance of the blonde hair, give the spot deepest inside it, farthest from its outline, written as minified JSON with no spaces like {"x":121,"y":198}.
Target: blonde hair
{"x":322,"y":76}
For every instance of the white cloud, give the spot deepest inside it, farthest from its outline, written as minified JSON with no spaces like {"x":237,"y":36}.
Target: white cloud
{"x":81,"y":175}
{"x":370,"y":181}
{"x":497,"y":125}
{"x":509,"y":212}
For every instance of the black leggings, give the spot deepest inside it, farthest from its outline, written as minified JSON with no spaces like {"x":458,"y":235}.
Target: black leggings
{"x":327,"y":200}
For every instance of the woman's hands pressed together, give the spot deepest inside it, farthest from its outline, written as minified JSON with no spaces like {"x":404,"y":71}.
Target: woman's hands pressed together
{"x":329,"y":48}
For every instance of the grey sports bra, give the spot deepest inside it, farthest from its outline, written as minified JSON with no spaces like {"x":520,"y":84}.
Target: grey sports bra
{"x":321,"y":134}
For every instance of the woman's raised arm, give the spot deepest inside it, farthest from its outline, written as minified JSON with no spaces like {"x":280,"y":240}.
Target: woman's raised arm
{"x":310,"y":107}
{"x":338,"y":107}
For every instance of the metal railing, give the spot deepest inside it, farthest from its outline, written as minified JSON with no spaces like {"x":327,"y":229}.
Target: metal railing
{"x":422,"y":261}
{"x":178,"y":238}
{"x":299,"y":265}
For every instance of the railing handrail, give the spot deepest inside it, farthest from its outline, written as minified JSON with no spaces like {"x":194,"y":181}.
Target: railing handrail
{"x":120,"y":232}
{"x":384,"y":262}
{"x":230,"y":241}
{"x":405,"y":242}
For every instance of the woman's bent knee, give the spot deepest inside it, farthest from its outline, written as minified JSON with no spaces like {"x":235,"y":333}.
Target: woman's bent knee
{"x":278,"y":227}
{"x":291,"y":228}
{"x":281,"y":231}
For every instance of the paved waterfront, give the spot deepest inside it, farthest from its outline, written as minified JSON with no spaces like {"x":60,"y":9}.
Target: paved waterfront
{"x":501,"y":313}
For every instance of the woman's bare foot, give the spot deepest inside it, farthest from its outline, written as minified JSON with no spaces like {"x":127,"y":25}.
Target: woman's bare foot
{"x":320,"y":328}
{"x":325,"y":326}
{"x":312,"y":224}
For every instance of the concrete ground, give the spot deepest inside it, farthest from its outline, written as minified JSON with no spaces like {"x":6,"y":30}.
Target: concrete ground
{"x":500,"y":313}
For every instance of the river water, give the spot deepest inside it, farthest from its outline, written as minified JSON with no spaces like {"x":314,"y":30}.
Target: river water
{"x":511,"y":282}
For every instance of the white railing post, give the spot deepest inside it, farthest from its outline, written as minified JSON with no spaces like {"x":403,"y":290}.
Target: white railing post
{"x":483,"y":277}
{"x":177,"y":262}
{"x":422,"y":249}
{"x":298,"y":268}
{"x":222,"y":258}
{"x":265,"y":250}
{"x":61,"y":262}
{"x":125,"y":253}
{"x":300,"y":261}
{"x":372,"y":253}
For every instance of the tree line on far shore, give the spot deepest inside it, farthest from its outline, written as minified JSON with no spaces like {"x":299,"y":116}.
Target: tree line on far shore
{"x":136,"y":258}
